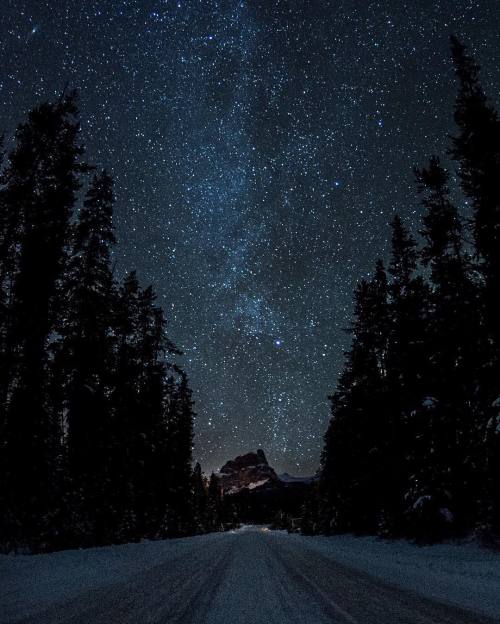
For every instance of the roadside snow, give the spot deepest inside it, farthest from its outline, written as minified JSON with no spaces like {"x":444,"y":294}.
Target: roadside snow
{"x":465,"y":575}
{"x":29,"y":584}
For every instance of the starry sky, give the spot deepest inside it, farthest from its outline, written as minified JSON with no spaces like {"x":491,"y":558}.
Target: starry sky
{"x":260,"y":149}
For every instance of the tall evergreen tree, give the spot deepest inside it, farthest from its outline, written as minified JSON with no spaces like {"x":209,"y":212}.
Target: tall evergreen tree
{"x":406,"y":369}
{"x":126,"y":408}
{"x":351,"y":485}
{"x":84,"y":359}
{"x":41,"y":181}
{"x":476,"y":148}
{"x":7,"y":256}
{"x":10,"y":234}
{"x":406,"y":359}
{"x":214,"y":504}
{"x":449,"y":460}
{"x":6,"y":247}
{"x":180,"y":417}
{"x":152,"y":422}
{"x":200,"y":501}
{"x":151,"y":466}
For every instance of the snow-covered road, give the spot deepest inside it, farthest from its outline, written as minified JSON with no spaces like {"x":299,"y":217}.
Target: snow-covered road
{"x":249,"y":576}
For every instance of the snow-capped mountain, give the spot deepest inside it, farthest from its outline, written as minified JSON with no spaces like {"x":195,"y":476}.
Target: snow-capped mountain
{"x":250,"y":471}
{"x":258,"y":492}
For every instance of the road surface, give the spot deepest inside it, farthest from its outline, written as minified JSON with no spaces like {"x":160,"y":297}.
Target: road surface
{"x":251,"y":577}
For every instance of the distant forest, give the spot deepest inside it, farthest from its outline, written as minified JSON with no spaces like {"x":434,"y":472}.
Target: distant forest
{"x":96,"y":420}
{"x":413,"y":445}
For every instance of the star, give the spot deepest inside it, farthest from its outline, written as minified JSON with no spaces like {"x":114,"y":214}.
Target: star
{"x":32,"y":33}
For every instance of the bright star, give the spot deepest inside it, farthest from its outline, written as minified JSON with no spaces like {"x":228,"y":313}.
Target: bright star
{"x":32,"y":32}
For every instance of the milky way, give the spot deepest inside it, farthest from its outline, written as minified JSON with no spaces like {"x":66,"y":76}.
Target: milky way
{"x":260,"y":149}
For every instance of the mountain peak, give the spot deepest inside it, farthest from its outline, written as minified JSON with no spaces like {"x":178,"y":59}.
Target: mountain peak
{"x":245,"y":461}
{"x":246,"y":471}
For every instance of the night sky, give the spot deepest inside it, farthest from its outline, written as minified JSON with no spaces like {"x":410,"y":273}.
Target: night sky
{"x":260,"y":149}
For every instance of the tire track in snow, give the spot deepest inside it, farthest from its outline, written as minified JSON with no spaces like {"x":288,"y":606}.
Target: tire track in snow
{"x":358,"y":597}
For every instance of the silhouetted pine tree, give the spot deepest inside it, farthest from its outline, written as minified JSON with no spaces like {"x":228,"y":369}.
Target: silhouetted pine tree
{"x":406,"y":374}
{"x":476,"y":148}
{"x":83,"y":363}
{"x":153,"y":415}
{"x":446,"y":478}
{"x":350,"y":487}
{"x":9,"y":252}
{"x":8,"y":219}
{"x":309,"y":515}
{"x":154,"y":446}
{"x":214,"y":504}
{"x":199,"y":501}
{"x":406,"y":357}
{"x":125,"y":400}
{"x":41,"y":181}
{"x":180,"y":417}
{"x":10,"y":236}
{"x":153,"y":423}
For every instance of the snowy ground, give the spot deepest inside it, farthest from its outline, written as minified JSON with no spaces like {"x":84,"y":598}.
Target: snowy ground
{"x":465,"y":575}
{"x":256,"y":577}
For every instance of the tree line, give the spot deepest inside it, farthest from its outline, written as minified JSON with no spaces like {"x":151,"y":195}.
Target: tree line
{"x":413,"y":445}
{"x":96,"y":421}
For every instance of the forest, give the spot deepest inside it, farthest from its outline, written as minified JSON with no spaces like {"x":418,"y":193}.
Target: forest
{"x":96,"y":421}
{"x":413,"y":445}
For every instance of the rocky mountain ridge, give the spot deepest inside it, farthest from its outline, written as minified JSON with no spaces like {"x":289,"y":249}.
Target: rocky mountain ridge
{"x":251,"y":476}
{"x":250,"y":471}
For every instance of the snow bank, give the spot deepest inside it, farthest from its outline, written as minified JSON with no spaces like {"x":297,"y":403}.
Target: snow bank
{"x":462,"y":574}
{"x":29,"y":584}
